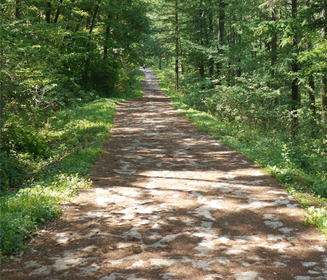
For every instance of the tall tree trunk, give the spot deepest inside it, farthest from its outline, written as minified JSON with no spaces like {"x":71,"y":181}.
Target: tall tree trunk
{"x":176,"y":44}
{"x":57,"y":13}
{"x":201,"y":39}
{"x":239,"y":68}
{"x":312,"y":100}
{"x":17,"y":10}
{"x":210,"y":37}
{"x":324,"y":78}
{"x":324,"y":104}
{"x":295,"y":69}
{"x":107,"y":33}
{"x":87,"y":62}
{"x":181,"y":55}
{"x":312,"y":95}
{"x":94,"y":16}
{"x":48,"y":13}
{"x":273,"y":46}
{"x":221,"y":32}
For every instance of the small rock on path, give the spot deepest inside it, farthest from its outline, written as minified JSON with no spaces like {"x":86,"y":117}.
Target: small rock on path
{"x":170,"y":202}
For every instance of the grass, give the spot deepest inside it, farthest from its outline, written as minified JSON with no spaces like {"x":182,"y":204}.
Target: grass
{"x":75,"y":137}
{"x":273,"y":152}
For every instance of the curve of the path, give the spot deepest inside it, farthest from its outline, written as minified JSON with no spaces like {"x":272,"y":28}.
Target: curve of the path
{"x":170,"y":202}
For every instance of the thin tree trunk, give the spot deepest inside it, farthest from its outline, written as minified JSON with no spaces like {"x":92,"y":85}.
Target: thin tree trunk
{"x":273,"y":46}
{"x":181,"y":55}
{"x":17,"y":10}
{"x":239,"y":68}
{"x":88,"y":44}
{"x":312,"y":95}
{"x":105,"y":49}
{"x":295,"y":87}
{"x":221,"y":32}
{"x":312,"y":100}
{"x":324,"y":104}
{"x":210,"y":37}
{"x":48,"y":13}
{"x":94,"y":16}
{"x":201,"y":27}
{"x":324,"y":78}
{"x":57,"y":13}
{"x":176,"y":44}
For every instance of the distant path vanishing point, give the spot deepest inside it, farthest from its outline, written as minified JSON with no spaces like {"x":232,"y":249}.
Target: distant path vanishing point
{"x":171,"y":202}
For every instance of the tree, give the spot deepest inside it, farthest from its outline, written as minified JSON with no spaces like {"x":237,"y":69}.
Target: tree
{"x":57,"y":53}
{"x":295,"y":69}
{"x":324,"y":75}
{"x":176,"y":43}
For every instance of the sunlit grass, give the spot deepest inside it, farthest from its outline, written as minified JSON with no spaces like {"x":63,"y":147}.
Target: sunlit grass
{"x":75,"y":137}
{"x":269,"y":150}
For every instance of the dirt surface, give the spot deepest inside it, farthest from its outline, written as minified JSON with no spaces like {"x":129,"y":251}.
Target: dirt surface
{"x":170,"y":202}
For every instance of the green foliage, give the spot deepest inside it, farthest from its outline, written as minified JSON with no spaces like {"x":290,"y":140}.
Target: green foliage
{"x":293,"y":161}
{"x":74,"y":137}
{"x":23,"y":211}
{"x":14,"y":228}
{"x":12,"y":172}
{"x":264,"y":69}
{"x":257,"y":122}
{"x":57,"y":59}
{"x":59,"y":56}
{"x":317,"y":216}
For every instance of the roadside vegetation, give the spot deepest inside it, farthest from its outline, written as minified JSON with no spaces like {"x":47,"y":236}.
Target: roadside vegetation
{"x":33,"y":186}
{"x":64,"y":67}
{"x":298,"y":163}
{"x":253,"y":74}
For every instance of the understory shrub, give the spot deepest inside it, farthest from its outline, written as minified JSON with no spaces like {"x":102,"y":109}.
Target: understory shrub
{"x":256,"y":120}
{"x":35,"y":181}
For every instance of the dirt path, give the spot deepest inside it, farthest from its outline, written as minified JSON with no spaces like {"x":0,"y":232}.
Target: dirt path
{"x":170,"y":202}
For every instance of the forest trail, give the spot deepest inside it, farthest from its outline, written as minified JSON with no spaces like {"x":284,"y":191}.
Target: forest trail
{"x":170,"y":202}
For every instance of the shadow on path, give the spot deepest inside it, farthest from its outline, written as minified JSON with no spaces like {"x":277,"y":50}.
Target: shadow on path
{"x":170,"y":202}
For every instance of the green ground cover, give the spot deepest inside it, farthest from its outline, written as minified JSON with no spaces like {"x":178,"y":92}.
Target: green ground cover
{"x":71,"y":140}
{"x":299,"y":167}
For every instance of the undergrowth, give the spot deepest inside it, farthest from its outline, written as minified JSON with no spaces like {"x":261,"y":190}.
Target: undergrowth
{"x":298,"y":164}
{"x":71,"y":140}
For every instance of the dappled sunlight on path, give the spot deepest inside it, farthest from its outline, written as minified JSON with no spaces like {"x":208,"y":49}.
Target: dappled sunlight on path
{"x":170,"y":202}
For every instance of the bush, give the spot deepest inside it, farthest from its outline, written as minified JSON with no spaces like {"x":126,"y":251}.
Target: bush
{"x":14,"y":228}
{"x":75,"y":136}
{"x":23,"y":211}
{"x":12,"y":172}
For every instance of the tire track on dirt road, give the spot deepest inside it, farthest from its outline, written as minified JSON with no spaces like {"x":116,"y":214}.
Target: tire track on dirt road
{"x":171,"y":202}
